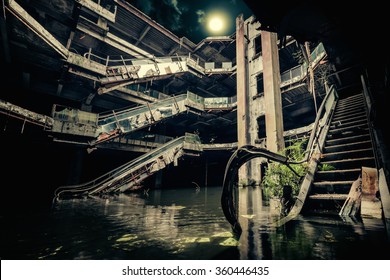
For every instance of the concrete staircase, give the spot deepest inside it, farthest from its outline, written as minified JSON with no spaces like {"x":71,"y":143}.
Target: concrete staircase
{"x":347,"y":148}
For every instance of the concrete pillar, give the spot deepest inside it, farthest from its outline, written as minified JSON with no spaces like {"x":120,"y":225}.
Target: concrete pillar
{"x":158,"y":179}
{"x":5,"y":41}
{"x":76,"y":166}
{"x":272,"y":95}
{"x":242,"y":93}
{"x":206,"y":173}
{"x":249,"y":101}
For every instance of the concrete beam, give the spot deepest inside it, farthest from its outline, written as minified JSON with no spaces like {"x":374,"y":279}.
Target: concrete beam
{"x":132,"y":96}
{"x":96,"y":8}
{"x":143,"y":34}
{"x":86,"y":63}
{"x":24,"y":114}
{"x":36,"y":27}
{"x":116,"y":42}
{"x":153,"y":24}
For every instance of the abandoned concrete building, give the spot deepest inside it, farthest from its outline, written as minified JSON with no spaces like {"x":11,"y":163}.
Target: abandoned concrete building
{"x":98,"y":95}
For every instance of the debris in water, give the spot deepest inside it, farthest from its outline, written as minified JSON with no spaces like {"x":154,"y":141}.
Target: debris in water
{"x":230,"y":242}
{"x":223,"y":234}
{"x":127,"y":237}
{"x":248,"y":216}
{"x":196,"y":240}
{"x":174,"y":207}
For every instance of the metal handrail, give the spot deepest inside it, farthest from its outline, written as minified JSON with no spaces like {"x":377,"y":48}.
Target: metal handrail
{"x":129,"y":112}
{"x":316,"y":56}
{"x":321,"y":111}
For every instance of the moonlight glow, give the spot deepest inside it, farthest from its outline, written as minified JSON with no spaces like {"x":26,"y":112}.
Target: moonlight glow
{"x":217,"y":22}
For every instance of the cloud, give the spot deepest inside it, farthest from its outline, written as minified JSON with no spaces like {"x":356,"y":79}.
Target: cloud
{"x":201,"y":16}
{"x":166,"y":12}
{"x":145,"y":6}
{"x":175,"y":4}
{"x":184,"y":18}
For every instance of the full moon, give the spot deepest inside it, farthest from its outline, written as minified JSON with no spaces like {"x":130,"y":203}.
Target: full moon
{"x":216,"y":24}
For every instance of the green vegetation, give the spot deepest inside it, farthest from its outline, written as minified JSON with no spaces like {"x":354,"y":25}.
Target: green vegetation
{"x":277,"y":174}
{"x":325,"y":167}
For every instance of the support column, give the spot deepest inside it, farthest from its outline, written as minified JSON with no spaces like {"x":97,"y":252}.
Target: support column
{"x":242,"y":93}
{"x":158,"y":179}
{"x":5,"y":41}
{"x":272,"y":95}
{"x":206,"y":173}
{"x":76,"y":166}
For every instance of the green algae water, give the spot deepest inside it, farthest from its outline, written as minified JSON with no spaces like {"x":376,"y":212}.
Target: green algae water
{"x":182,"y":224}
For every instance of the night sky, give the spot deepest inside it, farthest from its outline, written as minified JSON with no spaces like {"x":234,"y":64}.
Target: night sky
{"x":191,"y":18}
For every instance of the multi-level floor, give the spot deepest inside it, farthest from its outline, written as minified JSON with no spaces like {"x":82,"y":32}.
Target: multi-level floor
{"x":113,"y":81}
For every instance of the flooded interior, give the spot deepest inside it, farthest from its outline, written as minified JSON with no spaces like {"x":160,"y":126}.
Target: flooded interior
{"x":185,"y":223}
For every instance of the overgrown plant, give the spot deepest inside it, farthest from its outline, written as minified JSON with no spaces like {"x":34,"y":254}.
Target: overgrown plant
{"x":278,"y":175}
{"x":325,"y":167}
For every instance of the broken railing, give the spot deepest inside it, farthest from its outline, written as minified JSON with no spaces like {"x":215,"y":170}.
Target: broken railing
{"x":114,"y":123}
{"x":25,"y":115}
{"x":299,"y":72}
{"x":131,"y":174}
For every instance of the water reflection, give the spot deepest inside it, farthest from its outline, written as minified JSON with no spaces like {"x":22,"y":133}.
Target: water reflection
{"x":183,"y":224}
{"x":165,"y":224}
{"x":306,"y":237}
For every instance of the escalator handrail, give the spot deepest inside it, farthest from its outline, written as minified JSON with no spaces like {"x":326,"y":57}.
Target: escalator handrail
{"x":104,"y":119}
{"x":87,"y":186}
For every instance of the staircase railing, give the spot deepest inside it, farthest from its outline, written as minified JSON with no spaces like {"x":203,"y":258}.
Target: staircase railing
{"x":324,"y":113}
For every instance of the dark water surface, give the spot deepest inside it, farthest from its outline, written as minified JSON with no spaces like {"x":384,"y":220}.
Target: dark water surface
{"x":182,"y":224}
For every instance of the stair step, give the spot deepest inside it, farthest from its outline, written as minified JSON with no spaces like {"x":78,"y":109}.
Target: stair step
{"x":339,"y":174}
{"x":351,"y":163}
{"x":342,"y":107}
{"x":348,"y":112}
{"x":347,"y":139}
{"x":333,"y":196}
{"x":350,"y":103}
{"x":322,"y":212}
{"x":350,"y":154}
{"x":348,"y":146}
{"x":347,"y":131}
{"x":348,"y":120}
{"x":326,"y":203}
{"x":351,"y":99}
{"x":347,"y":116}
{"x":341,"y":124}
{"x":332,"y":187}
